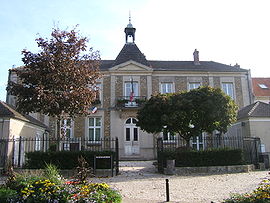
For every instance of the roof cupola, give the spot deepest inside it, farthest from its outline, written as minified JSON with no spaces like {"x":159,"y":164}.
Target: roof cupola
{"x":130,"y":31}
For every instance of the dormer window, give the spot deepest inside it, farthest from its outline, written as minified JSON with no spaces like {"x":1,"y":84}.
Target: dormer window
{"x":263,"y":86}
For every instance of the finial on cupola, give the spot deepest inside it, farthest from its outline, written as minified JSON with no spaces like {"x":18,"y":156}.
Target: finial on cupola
{"x":130,"y":30}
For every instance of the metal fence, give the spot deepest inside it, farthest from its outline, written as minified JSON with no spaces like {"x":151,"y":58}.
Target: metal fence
{"x":13,"y":151}
{"x":249,"y":145}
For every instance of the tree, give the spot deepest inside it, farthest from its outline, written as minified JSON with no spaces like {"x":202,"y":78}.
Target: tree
{"x":204,"y":109}
{"x":59,"y":79}
{"x":153,"y":116}
{"x":189,"y":113}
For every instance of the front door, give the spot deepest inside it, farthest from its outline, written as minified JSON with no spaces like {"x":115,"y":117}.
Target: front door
{"x":131,"y":142}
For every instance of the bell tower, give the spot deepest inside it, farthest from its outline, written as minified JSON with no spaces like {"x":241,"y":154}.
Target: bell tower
{"x":130,"y":31}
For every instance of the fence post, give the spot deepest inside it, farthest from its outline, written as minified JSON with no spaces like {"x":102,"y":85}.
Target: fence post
{"x":116,"y":156}
{"x":19,"y":153}
{"x":160,"y":157}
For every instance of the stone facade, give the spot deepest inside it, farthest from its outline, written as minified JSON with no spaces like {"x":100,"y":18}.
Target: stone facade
{"x":119,"y":86}
{"x":180,"y":83}
{"x":155,"y":85}
{"x":79,"y":127}
{"x":238,"y":92}
{"x":205,"y":81}
{"x":106,"y":91}
{"x":216,"y":80}
{"x":107,"y":123}
{"x":143,"y":85}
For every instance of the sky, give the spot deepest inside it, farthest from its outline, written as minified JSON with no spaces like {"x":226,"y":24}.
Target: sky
{"x":224,"y":31}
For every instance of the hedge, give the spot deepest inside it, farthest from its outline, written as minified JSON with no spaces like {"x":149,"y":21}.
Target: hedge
{"x":210,"y":157}
{"x":65,"y":159}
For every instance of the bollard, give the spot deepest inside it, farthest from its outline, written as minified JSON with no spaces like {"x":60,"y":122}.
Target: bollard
{"x":167,"y":191}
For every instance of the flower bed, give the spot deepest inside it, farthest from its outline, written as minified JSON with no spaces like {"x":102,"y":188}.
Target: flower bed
{"x":50,"y":187}
{"x":259,"y":195}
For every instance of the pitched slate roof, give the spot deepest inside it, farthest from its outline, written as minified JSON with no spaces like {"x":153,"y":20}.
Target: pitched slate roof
{"x":257,"y":90}
{"x":257,"y":109}
{"x":130,"y":51}
{"x":10,"y":112}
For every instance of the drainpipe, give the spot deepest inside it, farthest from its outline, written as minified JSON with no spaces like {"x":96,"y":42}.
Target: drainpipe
{"x":250,"y":89}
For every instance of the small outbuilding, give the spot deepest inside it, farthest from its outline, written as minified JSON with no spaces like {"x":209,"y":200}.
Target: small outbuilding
{"x":14,"y":127}
{"x":254,"y":121}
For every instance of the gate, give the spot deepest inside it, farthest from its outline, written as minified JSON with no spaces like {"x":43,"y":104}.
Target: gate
{"x":251,"y":149}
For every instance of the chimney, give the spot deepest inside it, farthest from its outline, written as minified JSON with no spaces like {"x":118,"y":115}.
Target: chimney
{"x":237,"y":65}
{"x":196,"y":57}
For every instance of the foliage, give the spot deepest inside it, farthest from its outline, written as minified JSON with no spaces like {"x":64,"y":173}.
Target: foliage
{"x":56,"y":80}
{"x":260,"y":195}
{"x":8,"y":195}
{"x":83,"y":169}
{"x":188,"y":113}
{"x":92,"y":192}
{"x":209,"y":157}
{"x":52,"y":173}
{"x":64,"y":159}
{"x":154,"y":114}
{"x":32,"y":188}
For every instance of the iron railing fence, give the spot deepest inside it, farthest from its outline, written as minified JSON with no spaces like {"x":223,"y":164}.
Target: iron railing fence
{"x":204,"y":142}
{"x":130,"y":102}
{"x":249,"y":145}
{"x":14,"y":150}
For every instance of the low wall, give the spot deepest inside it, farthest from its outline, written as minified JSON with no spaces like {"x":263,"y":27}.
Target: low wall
{"x":210,"y":169}
{"x":68,"y":173}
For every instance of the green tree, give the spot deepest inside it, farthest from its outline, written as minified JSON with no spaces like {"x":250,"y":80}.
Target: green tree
{"x":153,"y":116}
{"x":204,"y":109}
{"x":56,"y":80}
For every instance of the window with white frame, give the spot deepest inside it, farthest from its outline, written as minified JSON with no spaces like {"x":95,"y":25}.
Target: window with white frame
{"x":198,"y":142}
{"x":94,"y":128}
{"x":166,"y":87}
{"x":131,"y":86}
{"x":227,"y":87}
{"x":66,"y":128}
{"x":38,"y":142}
{"x":193,"y":85}
{"x":168,"y":136}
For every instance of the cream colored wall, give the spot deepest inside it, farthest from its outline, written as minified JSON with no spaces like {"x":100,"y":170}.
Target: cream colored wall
{"x":260,"y":127}
{"x":20,"y":128}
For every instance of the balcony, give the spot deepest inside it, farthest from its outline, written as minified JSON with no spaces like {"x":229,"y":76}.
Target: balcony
{"x":125,"y":102}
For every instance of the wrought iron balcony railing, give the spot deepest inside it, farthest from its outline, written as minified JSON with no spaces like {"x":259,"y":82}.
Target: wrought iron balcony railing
{"x":127,"y":102}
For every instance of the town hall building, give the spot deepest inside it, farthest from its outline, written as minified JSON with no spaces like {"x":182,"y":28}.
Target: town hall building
{"x":131,"y":74}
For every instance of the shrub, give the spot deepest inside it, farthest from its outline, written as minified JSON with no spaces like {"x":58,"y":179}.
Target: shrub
{"x":64,"y":159}
{"x":210,"y":157}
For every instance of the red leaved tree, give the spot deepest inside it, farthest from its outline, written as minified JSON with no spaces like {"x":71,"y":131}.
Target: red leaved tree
{"x":60,"y":79}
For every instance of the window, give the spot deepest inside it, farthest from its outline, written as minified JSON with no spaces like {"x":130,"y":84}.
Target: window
{"x":198,"y":142}
{"x":38,"y":142}
{"x":193,"y":85}
{"x":227,"y":87}
{"x":168,"y":136}
{"x":129,"y":86}
{"x":263,"y":86}
{"x":166,"y":88}
{"x":66,"y":128}
{"x":94,"y":128}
